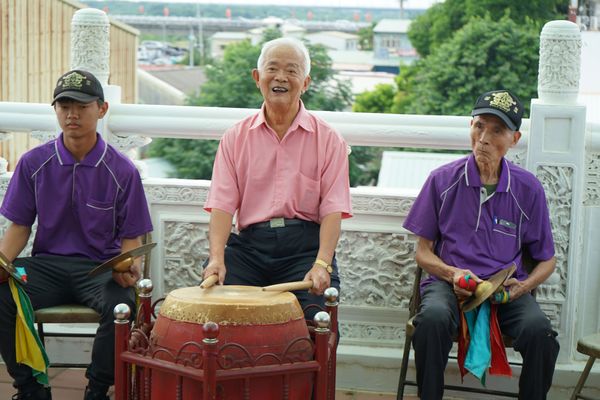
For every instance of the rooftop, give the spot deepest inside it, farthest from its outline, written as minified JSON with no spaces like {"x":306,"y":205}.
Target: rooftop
{"x":392,"y":26}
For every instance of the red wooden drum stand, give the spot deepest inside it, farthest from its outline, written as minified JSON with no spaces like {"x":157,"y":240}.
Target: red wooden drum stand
{"x":279,"y":356}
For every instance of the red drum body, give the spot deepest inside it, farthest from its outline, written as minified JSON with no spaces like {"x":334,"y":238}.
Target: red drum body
{"x":256,"y":329}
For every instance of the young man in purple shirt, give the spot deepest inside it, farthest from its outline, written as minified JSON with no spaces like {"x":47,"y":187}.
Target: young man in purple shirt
{"x":477,"y":216}
{"x":90,"y":206}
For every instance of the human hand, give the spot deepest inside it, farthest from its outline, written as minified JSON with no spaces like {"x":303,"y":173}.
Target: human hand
{"x":215,"y":267}
{"x":516,"y":288}
{"x":460,"y":275}
{"x":128,"y":278}
{"x":320,"y":278}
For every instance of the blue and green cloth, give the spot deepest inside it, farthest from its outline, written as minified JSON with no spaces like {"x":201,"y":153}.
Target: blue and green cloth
{"x":480,"y":344}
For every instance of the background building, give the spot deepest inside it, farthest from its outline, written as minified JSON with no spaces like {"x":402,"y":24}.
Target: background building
{"x":35,"y":39}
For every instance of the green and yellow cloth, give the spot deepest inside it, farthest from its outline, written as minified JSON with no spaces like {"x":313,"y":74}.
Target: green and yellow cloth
{"x":29,"y":348}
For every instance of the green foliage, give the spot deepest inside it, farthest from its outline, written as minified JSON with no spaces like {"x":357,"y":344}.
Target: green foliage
{"x":436,"y":25}
{"x":379,"y":100}
{"x":230,"y":84}
{"x":326,"y":92}
{"x":217,"y":10}
{"x":270,"y":33}
{"x":388,"y":98}
{"x":484,"y":55}
{"x":365,"y":37}
{"x":229,"y":81}
{"x":193,"y":159}
{"x":198,"y":59}
{"x":365,"y":163}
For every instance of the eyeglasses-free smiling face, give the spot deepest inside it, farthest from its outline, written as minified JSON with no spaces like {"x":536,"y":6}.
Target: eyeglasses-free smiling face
{"x":282,"y":79}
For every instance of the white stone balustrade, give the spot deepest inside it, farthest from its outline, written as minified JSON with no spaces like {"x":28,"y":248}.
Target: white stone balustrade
{"x":375,"y":253}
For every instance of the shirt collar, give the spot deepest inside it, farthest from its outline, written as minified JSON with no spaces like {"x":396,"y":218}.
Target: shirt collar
{"x":92,"y":159}
{"x":302,"y":119}
{"x":472,"y":174}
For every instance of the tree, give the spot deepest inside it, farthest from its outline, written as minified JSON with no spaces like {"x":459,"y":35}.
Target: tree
{"x":365,"y":37}
{"x":483,"y":55}
{"x":326,"y":91}
{"x":437,"y":24}
{"x":379,"y":100}
{"x":388,"y":98}
{"x":230,"y":84}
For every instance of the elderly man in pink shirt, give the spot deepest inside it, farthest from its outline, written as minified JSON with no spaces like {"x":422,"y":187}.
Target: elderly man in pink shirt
{"x":285,"y":172}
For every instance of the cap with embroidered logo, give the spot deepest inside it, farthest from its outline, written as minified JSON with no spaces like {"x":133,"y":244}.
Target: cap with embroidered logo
{"x":503,"y":104}
{"x":78,"y":85}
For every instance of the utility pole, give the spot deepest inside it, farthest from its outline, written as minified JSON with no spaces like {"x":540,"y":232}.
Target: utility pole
{"x":191,"y":38}
{"x":200,"y":33}
{"x":401,"y":9}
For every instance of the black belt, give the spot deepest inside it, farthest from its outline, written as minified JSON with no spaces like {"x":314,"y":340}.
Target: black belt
{"x":280,"y":223}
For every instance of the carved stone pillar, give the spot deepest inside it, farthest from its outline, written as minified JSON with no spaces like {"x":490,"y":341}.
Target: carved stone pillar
{"x":556,"y":154}
{"x":90,"y":45}
{"x":90,"y":51}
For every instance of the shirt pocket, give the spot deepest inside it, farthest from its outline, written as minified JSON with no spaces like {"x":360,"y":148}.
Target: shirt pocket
{"x":98,"y":217}
{"x":504,"y":242}
{"x":310,"y":191}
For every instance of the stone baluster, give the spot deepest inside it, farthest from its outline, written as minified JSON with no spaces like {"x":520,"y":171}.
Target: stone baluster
{"x":556,"y":154}
{"x":90,"y":50}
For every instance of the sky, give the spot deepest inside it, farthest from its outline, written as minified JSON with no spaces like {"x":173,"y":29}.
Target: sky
{"x":323,"y":3}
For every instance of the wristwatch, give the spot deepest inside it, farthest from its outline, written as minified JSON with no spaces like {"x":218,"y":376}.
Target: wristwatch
{"x":323,"y":264}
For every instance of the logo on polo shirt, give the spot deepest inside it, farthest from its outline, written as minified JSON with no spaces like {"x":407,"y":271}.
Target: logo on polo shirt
{"x":73,"y":81}
{"x":502,"y":101}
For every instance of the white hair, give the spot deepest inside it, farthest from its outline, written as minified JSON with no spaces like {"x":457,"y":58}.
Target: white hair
{"x":285,"y":41}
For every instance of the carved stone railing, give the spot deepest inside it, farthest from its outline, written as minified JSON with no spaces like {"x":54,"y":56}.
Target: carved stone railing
{"x":375,"y":254}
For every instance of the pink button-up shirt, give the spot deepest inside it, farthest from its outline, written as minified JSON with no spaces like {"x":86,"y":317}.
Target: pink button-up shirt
{"x":303,"y":176}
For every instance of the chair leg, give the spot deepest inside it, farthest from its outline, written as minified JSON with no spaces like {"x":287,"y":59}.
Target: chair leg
{"x":404,"y":367}
{"x":582,"y":378}
{"x":40,"y":328}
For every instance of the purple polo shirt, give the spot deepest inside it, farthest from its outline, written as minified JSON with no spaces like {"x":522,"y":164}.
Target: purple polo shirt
{"x":478,"y":232}
{"x":83,"y":209}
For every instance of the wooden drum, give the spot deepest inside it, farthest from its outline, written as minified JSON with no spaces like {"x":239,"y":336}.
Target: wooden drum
{"x":267,"y":324}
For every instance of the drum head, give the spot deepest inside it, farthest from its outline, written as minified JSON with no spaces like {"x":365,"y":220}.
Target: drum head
{"x":231,"y":304}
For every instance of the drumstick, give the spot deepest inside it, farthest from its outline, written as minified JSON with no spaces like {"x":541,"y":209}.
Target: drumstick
{"x":210,"y":281}
{"x":288,"y":287}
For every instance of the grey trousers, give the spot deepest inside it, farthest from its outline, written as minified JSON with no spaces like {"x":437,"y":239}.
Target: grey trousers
{"x":436,"y":323}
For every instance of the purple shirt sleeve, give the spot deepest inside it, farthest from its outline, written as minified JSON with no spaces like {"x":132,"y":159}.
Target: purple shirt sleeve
{"x":133,"y":217}
{"x":19,"y":201}
{"x":423,"y":218}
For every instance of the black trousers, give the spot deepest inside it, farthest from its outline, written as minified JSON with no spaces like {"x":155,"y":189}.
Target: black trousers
{"x":267,"y":256}
{"x":55,"y":280}
{"x":437,"y":323}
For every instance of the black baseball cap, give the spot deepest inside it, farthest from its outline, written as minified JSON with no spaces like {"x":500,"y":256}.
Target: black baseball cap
{"x":503,"y":104}
{"x":78,"y":85}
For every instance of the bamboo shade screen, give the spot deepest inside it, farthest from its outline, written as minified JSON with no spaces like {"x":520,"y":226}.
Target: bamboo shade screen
{"x":35,"y":42}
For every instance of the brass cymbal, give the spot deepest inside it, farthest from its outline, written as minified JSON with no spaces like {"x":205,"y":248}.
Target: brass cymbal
{"x":494,"y":282}
{"x":123,"y":261}
{"x":10,"y":268}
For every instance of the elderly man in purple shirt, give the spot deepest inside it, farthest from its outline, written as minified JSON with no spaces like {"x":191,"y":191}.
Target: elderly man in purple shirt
{"x":90,"y":206}
{"x":476,"y":216}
